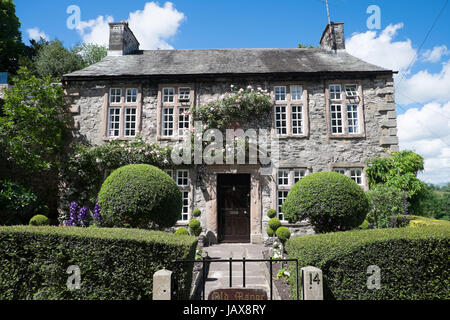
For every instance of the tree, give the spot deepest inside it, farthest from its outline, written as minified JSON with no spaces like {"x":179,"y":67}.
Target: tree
{"x":11,"y":44}
{"x":30,"y":53}
{"x":399,"y":171}
{"x":32,"y":127}
{"x":302,"y":46}
{"x":90,"y":53}
{"x":54,"y":60}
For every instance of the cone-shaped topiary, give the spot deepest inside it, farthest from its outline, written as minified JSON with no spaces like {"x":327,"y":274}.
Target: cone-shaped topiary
{"x":283,"y":234}
{"x":271,"y":213}
{"x":137,"y":195}
{"x":274,"y":224}
{"x":39,"y":220}
{"x":195,"y":227}
{"x":182,"y":231}
{"x":331,"y":202}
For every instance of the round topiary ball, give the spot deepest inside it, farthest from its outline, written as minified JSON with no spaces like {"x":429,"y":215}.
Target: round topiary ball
{"x":182,"y":231}
{"x":274,"y":224}
{"x":283,"y":234}
{"x":269,"y":231}
{"x":196,"y":213}
{"x":331,"y":202}
{"x":271,"y":213}
{"x":195,"y":227}
{"x":39,"y":220}
{"x":137,"y":195}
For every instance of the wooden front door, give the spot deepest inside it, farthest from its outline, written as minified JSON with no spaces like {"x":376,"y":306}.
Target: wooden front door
{"x":233,"y":193}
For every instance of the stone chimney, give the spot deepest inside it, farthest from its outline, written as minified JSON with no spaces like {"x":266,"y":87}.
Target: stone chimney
{"x":121,"y":39}
{"x":333,"y":38}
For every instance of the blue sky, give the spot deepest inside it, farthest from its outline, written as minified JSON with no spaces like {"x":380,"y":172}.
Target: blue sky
{"x":422,"y":91}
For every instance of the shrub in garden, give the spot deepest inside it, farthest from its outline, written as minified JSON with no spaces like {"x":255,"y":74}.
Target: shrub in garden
{"x":196,"y":213}
{"x":182,"y":231}
{"x":269,"y":231}
{"x":274,"y":224}
{"x":18,"y":203}
{"x":385,"y":202}
{"x":271,"y":213}
{"x":413,"y":262}
{"x":331,"y":202}
{"x":137,"y":195}
{"x":195,"y":227}
{"x":114,"y":263}
{"x":283,"y":234}
{"x":39,"y":220}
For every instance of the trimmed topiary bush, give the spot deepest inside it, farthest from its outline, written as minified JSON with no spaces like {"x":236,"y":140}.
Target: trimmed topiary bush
{"x":274,"y":224}
{"x":329,"y":200}
{"x":115,"y":264}
{"x":182,"y":231}
{"x":137,"y":195}
{"x":413,"y":262}
{"x":196,"y":213}
{"x":271,"y":213}
{"x":283,"y":234}
{"x":39,"y":220}
{"x":269,"y":231}
{"x":195,"y":227}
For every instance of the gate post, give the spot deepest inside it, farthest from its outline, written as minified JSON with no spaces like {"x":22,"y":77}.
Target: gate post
{"x":312,"y":283}
{"x":162,"y":285}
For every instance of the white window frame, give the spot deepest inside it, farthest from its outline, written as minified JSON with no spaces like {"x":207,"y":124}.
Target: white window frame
{"x":352,"y":122}
{"x":165,"y":119}
{"x":297,"y":123}
{"x":349,"y":93}
{"x":340,"y":170}
{"x":182,"y":96}
{"x":283,"y":174}
{"x":131,"y":95}
{"x":285,"y":194}
{"x":355,"y":177}
{"x":296,"y":92}
{"x":168,"y":95}
{"x":339,"y":117}
{"x":182,"y":174}
{"x":335,"y":94}
{"x":115,"y":93}
{"x":279,"y":92}
{"x":114,"y":122}
{"x":133,"y":124}
{"x":170,"y":173}
{"x":299,"y":174}
{"x":185,"y":209}
{"x":281,"y":125}
{"x":184,"y":121}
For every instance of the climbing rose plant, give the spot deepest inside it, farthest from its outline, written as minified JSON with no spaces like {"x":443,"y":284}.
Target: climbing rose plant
{"x":236,"y":107}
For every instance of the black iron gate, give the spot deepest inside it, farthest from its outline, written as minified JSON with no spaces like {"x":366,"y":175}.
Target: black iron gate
{"x":205,"y":268}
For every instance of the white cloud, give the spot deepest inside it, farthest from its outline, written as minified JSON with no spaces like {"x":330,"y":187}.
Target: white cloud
{"x":427,"y":132}
{"x":153,"y":26}
{"x":37,"y":34}
{"x":425,"y":86}
{"x":381,"y":50}
{"x":435,"y":54}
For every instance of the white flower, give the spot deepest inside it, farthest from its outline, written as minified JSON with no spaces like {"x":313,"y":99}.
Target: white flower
{"x":98,"y":160}
{"x":232,"y":86}
{"x":249,"y":87}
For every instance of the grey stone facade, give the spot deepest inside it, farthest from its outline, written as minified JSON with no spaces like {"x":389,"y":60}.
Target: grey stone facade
{"x":317,"y":150}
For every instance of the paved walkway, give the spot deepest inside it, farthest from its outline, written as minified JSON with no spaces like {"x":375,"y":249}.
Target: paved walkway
{"x":219,"y":272}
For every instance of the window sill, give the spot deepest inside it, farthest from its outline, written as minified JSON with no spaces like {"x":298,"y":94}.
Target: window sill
{"x":175,"y":138}
{"x":181,"y":223}
{"x":110,"y":139}
{"x":346,"y":136}
{"x":292,"y":136}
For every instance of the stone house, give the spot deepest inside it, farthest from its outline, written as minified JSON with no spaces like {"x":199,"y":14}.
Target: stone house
{"x":331,"y":112}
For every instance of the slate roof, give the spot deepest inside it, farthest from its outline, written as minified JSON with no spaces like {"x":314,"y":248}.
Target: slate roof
{"x":226,"y":61}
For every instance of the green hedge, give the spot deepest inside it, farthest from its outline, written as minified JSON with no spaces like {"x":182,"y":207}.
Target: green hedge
{"x":114,"y":263}
{"x":413,"y":260}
